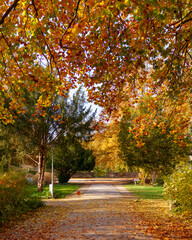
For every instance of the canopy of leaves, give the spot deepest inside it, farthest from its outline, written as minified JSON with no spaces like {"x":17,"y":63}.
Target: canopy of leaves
{"x":104,"y":44}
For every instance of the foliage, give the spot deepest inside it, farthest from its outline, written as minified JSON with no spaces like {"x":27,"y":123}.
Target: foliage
{"x":14,"y":196}
{"x":117,"y":49}
{"x":159,"y":181}
{"x":106,"y":149}
{"x":104,"y":44}
{"x":146,"y":192}
{"x":100,"y":171}
{"x":10,"y":150}
{"x":37,"y":131}
{"x":178,"y":189}
{"x":154,"y":135}
{"x":69,"y":157}
{"x":64,"y":115}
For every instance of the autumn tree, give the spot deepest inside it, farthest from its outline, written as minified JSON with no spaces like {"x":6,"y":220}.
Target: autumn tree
{"x":154,"y":140}
{"x":112,"y":47}
{"x":39,"y":131}
{"x":106,"y":45}
{"x":106,"y":148}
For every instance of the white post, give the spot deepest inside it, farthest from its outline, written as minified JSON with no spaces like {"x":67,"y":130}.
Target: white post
{"x":52,"y":174}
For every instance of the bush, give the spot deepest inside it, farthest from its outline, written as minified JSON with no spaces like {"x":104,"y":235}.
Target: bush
{"x":14,"y":196}
{"x":178,"y":189}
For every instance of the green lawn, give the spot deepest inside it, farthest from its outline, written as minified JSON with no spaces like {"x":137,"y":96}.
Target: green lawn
{"x":146,"y":192}
{"x":60,"y":190}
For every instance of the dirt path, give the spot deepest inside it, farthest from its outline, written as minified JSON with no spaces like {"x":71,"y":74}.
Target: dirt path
{"x":101,"y":211}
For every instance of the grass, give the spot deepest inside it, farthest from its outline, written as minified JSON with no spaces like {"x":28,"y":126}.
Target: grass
{"x":146,"y":192}
{"x":60,"y":190}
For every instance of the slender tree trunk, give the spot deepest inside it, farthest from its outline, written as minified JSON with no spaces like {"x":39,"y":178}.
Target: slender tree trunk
{"x":41,"y":170}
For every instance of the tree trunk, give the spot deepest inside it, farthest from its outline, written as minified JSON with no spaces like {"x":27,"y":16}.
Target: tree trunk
{"x":41,"y":170}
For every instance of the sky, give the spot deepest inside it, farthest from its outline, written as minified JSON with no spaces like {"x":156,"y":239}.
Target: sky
{"x":93,"y":106}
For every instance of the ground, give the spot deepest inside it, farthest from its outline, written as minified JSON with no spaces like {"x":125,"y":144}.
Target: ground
{"x":96,"y":211}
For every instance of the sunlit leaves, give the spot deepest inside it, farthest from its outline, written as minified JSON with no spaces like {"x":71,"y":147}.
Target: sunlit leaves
{"x":107,"y":45}
{"x":155,"y":130}
{"x":106,"y":149}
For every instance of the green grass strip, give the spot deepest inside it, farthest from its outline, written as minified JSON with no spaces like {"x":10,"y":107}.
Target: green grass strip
{"x":60,"y":190}
{"x":146,"y":192}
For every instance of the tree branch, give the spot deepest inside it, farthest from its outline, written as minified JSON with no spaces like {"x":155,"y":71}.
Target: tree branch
{"x":187,"y":20}
{"x":181,"y":20}
{"x":3,"y":61}
{"x":12,"y":53}
{"x":33,"y":3}
{"x":27,"y":16}
{"x":185,"y":58}
{"x":8,"y":11}
{"x":5,"y":66}
{"x":70,"y":24}
{"x":45,"y":41}
{"x":31,"y":158}
{"x":189,"y":54}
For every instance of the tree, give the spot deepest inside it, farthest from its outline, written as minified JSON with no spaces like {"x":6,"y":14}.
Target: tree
{"x":113,"y":47}
{"x":106,"y":148}
{"x":40,"y":130}
{"x":70,"y":157}
{"x":154,"y":142}
{"x":106,"y":45}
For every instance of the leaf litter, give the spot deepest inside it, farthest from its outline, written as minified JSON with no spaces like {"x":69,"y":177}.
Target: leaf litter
{"x":113,"y":218}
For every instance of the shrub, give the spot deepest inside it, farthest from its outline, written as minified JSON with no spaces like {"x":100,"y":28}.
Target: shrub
{"x":178,"y":189}
{"x":14,"y":195}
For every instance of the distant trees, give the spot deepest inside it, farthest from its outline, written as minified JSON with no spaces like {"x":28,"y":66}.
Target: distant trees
{"x":106,"y":149}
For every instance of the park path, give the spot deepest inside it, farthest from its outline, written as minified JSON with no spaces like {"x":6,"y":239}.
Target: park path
{"x":101,"y":211}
